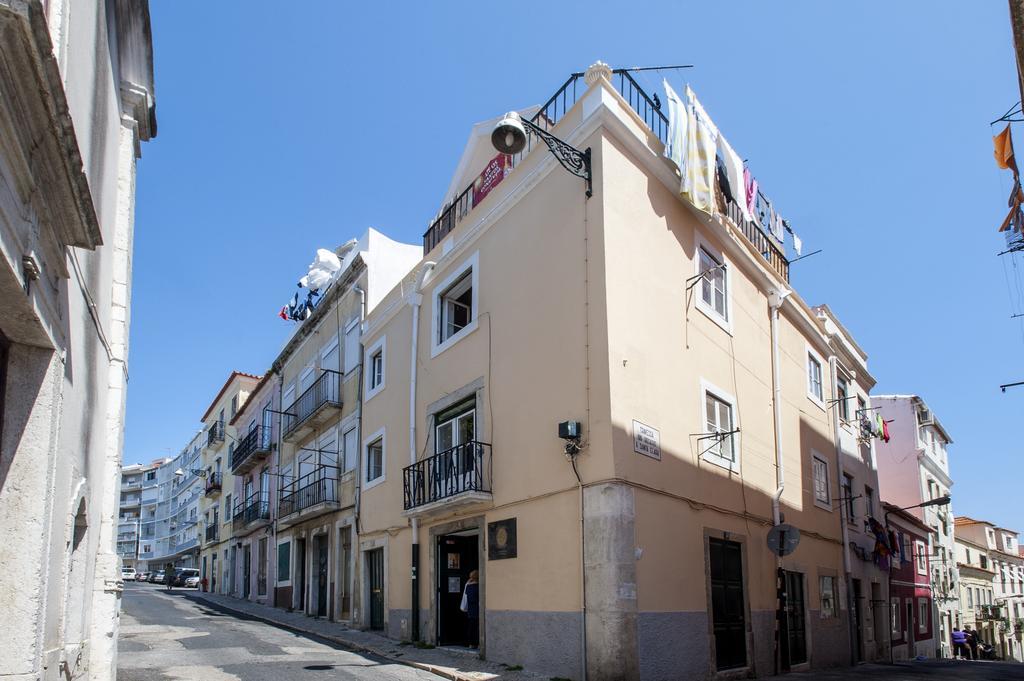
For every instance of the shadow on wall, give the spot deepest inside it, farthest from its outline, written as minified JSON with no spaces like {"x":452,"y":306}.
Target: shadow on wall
{"x":27,"y":374}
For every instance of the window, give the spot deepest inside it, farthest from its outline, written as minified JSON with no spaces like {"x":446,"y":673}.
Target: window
{"x":373,"y":463}
{"x":984,"y":560}
{"x":970,"y":598}
{"x":869,"y":501}
{"x":284,"y":557}
{"x":456,"y":426}
{"x":827,"y":587}
{"x":848,"y":497}
{"x":352,"y":353}
{"x":894,"y":608}
{"x":721,"y":448}
{"x":227,"y":506}
{"x":843,"y":395}
{"x":819,"y":468}
{"x":728,"y":606}
{"x":351,"y":444}
{"x":234,"y":404}
{"x":151,"y":475}
{"x":922,"y":615}
{"x":375,"y":370}
{"x":261,"y":568}
{"x":456,"y":300}
{"x":713,"y":285}
{"x":922,"y":559}
{"x":329,"y":356}
{"x":814,"y":385}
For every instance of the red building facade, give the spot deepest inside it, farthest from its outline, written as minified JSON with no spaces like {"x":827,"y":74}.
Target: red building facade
{"x":911,"y":606}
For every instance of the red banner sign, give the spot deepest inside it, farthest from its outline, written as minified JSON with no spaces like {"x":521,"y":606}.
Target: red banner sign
{"x":491,"y":177}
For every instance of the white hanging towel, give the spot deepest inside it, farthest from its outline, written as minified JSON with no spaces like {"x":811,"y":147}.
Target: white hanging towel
{"x":698,"y":184}
{"x":677,"y":120}
{"x":734,"y":170}
{"x":798,"y":245}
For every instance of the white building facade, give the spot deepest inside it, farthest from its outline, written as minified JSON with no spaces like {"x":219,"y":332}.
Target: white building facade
{"x":76,"y":101}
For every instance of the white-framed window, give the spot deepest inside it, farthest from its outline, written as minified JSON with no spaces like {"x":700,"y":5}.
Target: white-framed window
{"x":847,"y":492}
{"x":712,"y":294}
{"x":352,"y":355}
{"x":373,"y":459}
{"x":819,"y":470}
{"x":375,"y":367}
{"x":456,"y":302}
{"x":970,"y":598}
{"x":922,"y":558}
{"x":815,"y":384}
{"x":827,"y":590}
{"x":843,"y":397}
{"x":288,"y":397}
{"x":329,"y":355}
{"x":922,"y":615}
{"x":350,"y":441}
{"x":895,"y":625}
{"x":719,"y":416}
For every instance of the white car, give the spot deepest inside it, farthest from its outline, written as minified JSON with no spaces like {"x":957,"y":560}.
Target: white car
{"x":192,"y":582}
{"x":128,"y":574}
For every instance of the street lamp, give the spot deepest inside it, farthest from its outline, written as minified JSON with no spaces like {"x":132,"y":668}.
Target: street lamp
{"x":937,"y":501}
{"x":509,"y":137}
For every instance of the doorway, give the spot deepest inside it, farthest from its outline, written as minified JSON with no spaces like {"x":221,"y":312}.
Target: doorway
{"x":246,"y":570}
{"x":858,"y":616}
{"x":346,"y":572}
{"x":457,"y":556}
{"x":300,"y":573}
{"x":728,"y":607}
{"x":375,"y":574}
{"x":794,"y":648}
{"x":909,"y":636}
{"x":320,"y":549}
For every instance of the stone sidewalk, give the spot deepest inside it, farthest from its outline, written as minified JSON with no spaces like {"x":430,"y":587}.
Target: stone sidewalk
{"x":450,"y":664}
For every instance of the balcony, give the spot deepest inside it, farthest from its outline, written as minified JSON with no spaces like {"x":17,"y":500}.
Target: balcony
{"x":213,"y":531}
{"x":459,"y":476}
{"x":756,"y":231}
{"x":215,"y":435}
{"x":989,"y":612}
{"x":313,"y":407}
{"x":251,"y":449}
{"x":254,"y":511}
{"x":130,"y":501}
{"x":307,"y":497}
{"x":214,"y":481}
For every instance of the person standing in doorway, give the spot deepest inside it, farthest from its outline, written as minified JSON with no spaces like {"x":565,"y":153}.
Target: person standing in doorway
{"x":472,"y":600}
{"x":972,"y":641}
{"x":960,"y":650}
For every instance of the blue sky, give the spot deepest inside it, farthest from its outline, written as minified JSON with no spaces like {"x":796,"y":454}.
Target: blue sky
{"x":286,"y":128}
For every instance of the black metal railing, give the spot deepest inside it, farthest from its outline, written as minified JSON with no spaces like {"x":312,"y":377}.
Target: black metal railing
{"x":325,"y":390}
{"x":257,"y":440}
{"x":214,"y":481}
{"x":758,"y":237}
{"x":255,"y":507}
{"x":213,"y":531}
{"x":215,"y":434}
{"x":309,"y":490}
{"x":452,"y":472}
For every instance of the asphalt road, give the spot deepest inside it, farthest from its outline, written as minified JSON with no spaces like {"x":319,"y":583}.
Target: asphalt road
{"x":167,"y":637}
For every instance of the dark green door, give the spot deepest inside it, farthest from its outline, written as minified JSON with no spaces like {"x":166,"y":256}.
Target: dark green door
{"x":375,"y":570}
{"x":728,"y":608}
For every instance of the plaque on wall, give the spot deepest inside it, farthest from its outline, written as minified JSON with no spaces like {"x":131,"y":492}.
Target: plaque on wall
{"x":501,"y":539}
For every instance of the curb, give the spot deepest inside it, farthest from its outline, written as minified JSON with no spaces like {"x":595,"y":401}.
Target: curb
{"x":344,"y":643}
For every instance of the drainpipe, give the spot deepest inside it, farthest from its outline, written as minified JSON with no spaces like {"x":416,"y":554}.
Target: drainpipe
{"x":833,"y":369}
{"x":415,"y":300}
{"x":775,"y":299}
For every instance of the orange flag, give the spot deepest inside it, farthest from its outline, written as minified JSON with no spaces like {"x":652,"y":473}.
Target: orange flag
{"x":1004,"y":150}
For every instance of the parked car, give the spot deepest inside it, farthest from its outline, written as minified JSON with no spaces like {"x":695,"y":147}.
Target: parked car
{"x":156,"y":577}
{"x":192,"y":582}
{"x":142,"y":576}
{"x":181,"y":574}
{"x":128,"y":574}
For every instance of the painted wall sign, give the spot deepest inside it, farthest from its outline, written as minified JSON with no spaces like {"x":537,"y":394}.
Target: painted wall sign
{"x":646,"y":440}
{"x":501,"y":539}
{"x":491,"y":177}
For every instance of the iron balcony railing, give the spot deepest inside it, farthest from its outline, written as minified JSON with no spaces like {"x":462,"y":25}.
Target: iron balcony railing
{"x":213,"y":531}
{"x":257,"y":440}
{"x":215,"y":434}
{"x":325,"y":390}
{"x":255,"y":507}
{"x":306,"y":492}
{"x":214,"y":481}
{"x":448,"y":474}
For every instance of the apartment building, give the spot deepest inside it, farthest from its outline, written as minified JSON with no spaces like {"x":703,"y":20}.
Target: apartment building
{"x":215,"y":470}
{"x":175,"y":528}
{"x":601,"y":407}
{"x":255,"y":471}
{"x":911,"y":611}
{"x":77,"y":100}
{"x":913,"y":467}
{"x":139,"y":496}
{"x":1002,"y":556}
{"x":319,"y":377}
{"x":976,"y":587}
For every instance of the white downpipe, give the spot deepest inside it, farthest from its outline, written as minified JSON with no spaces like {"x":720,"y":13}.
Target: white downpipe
{"x":416,"y":300}
{"x":775,"y":300}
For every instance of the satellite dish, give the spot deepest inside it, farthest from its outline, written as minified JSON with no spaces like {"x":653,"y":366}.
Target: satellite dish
{"x":783,"y":539}
{"x":509,"y":135}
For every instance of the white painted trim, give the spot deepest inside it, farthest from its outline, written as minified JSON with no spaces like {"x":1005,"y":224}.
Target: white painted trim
{"x":820,"y":401}
{"x":827,"y":505}
{"x":382,"y":436}
{"x":921,"y":553}
{"x":709,"y":387}
{"x":379,"y":344}
{"x":436,"y":347}
{"x":701,"y":242}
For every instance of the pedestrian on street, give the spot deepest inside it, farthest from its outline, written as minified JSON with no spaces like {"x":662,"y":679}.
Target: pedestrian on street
{"x":960,"y":650}
{"x":471,"y":599}
{"x":169,"y":575}
{"x":972,"y":641}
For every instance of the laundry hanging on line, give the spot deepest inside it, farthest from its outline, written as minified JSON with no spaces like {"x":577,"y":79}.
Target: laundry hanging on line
{"x":1006,"y":159}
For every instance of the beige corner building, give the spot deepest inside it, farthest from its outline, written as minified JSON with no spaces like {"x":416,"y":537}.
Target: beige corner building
{"x":707,"y":395}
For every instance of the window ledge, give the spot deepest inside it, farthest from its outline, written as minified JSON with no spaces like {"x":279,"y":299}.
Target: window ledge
{"x":721,"y":462}
{"x":373,"y":483}
{"x":713,"y":315}
{"x":438,"y":348}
